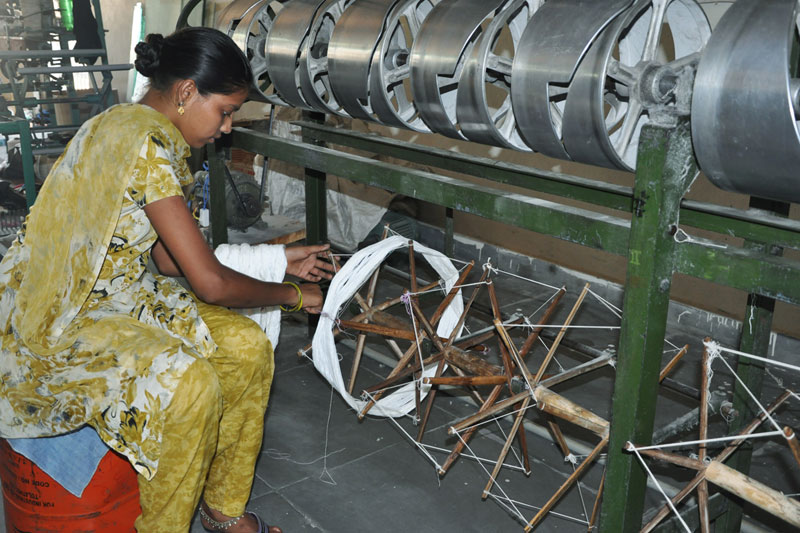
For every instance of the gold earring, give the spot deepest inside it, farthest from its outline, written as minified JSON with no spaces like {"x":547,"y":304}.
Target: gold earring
{"x":181,"y":110}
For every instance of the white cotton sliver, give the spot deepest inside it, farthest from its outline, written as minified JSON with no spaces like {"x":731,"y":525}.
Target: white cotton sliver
{"x":266,"y":262}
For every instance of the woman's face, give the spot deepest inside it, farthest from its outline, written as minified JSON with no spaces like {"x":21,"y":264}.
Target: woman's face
{"x":207,"y":117}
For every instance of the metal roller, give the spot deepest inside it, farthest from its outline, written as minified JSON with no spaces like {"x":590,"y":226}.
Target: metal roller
{"x":312,"y":67}
{"x":390,"y":81}
{"x":248,"y":23}
{"x":745,"y":105}
{"x":609,"y":98}
{"x":352,"y":45}
{"x":487,"y":117}
{"x":550,"y":50}
{"x":284,"y":44}
{"x":438,"y":57}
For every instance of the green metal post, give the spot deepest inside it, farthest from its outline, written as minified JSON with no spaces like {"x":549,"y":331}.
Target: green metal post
{"x":449,"y":233}
{"x":666,"y":167}
{"x":316,"y":205}
{"x":26,"y":153}
{"x":216,"y":186}
{"x":756,"y":332}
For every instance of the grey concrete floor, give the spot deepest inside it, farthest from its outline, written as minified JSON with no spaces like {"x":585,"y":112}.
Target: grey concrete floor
{"x":321,"y":469}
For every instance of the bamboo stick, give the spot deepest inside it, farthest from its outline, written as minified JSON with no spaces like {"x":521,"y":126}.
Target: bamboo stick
{"x":450,"y":295}
{"x":368,"y":315}
{"x":534,"y":335}
{"x":506,"y":358}
{"x":412,"y":368}
{"x":471,"y":363}
{"x":378,"y":329}
{"x":555,"y":404}
{"x":457,"y":449}
{"x":754,"y":492}
{"x":721,"y":457}
{"x":501,"y":459}
{"x":561,"y":334}
{"x":672,"y":458}
{"x":567,"y":484}
{"x":702,"y":488}
{"x":577,"y":371}
{"x":791,"y":439}
{"x":596,"y":507}
{"x":362,"y":338}
{"x":472,"y":381}
{"x":558,"y":435}
{"x":486,"y":413}
{"x":443,"y":347}
{"x":674,"y":361}
{"x":507,"y":342}
{"x":509,"y":366}
{"x":702,"y":506}
{"x":400,"y":365}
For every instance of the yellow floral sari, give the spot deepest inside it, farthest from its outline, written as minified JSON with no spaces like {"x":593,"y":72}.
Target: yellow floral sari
{"x":89,"y":335}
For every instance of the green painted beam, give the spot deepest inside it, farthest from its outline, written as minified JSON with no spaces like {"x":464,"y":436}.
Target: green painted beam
{"x":572,"y":224}
{"x":753,"y":224}
{"x":749,"y":270}
{"x":583,"y":189}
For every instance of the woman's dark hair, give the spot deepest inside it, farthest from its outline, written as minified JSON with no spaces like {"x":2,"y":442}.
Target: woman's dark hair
{"x":207,"y":56}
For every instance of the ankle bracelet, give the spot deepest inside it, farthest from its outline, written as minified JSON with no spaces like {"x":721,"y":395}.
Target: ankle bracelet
{"x":221,"y":526}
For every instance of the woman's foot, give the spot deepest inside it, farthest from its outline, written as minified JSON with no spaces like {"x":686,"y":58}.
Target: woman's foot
{"x":214,"y":520}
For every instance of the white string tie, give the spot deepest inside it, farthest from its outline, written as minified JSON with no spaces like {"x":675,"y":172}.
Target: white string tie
{"x":751,"y":356}
{"x":488,"y":266}
{"x":682,"y":237}
{"x":608,"y":305}
{"x":571,"y":459}
{"x":715,"y":352}
{"x":629,"y":446}
{"x":687,"y":443}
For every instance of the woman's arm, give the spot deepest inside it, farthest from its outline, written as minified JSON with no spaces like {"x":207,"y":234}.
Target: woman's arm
{"x":165,"y":263}
{"x":211,"y":281}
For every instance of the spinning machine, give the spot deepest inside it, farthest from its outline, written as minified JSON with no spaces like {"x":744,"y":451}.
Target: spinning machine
{"x":637,"y":85}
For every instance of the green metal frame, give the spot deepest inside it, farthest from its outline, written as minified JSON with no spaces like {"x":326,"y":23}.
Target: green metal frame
{"x":643,"y":233}
{"x":22,"y":128}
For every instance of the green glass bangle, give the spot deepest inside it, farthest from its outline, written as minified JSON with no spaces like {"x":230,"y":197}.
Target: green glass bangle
{"x":299,"y":304}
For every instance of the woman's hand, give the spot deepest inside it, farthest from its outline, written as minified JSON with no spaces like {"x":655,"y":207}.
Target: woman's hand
{"x":308,"y":263}
{"x":312,"y":298}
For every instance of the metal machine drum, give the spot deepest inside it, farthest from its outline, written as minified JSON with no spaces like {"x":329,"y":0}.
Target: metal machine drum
{"x":352,"y":45}
{"x":284,"y":45}
{"x":745,"y":104}
{"x":312,"y":66}
{"x":390,"y":73}
{"x":438,"y":57}
{"x":550,"y":50}
{"x":483,"y":103}
{"x":608,"y":100}
{"x":248,"y":23}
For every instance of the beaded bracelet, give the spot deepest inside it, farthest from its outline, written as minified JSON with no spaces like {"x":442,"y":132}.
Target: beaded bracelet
{"x":299,"y":304}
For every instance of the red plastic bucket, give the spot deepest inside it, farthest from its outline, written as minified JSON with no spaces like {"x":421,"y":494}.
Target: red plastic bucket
{"x":32,"y":501}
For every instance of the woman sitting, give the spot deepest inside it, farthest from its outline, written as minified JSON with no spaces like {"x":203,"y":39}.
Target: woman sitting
{"x":169,"y":377}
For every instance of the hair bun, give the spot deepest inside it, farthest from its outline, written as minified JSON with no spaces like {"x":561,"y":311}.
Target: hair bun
{"x":148,"y":54}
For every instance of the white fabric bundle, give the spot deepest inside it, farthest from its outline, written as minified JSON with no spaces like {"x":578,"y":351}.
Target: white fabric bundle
{"x":266,"y":262}
{"x":344,"y":285}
